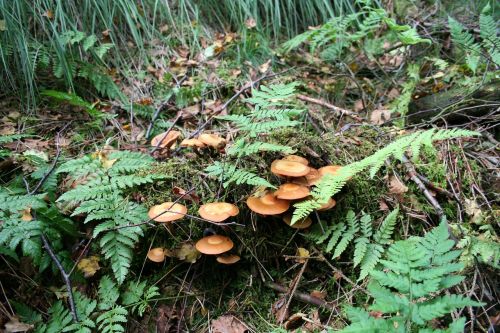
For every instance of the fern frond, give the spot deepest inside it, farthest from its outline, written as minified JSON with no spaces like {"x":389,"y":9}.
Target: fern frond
{"x":370,"y":259}
{"x":384,"y":233}
{"x":229,"y":174}
{"x":112,"y":320}
{"x":348,"y":236}
{"x":242,"y":149}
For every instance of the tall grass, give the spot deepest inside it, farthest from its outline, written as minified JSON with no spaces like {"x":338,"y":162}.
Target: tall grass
{"x":32,"y":32}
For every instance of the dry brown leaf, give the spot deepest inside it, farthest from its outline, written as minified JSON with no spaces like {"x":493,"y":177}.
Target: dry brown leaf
{"x":14,"y":325}
{"x":294,"y":322}
{"x":314,"y":323}
{"x":318,"y":294}
{"x":89,"y":266}
{"x":179,"y":191}
{"x":228,"y":324}
{"x":26,"y":216}
{"x":380,"y":116}
{"x":393,"y":93}
{"x":279,"y":310}
{"x":265,"y":66}
{"x":358,"y":106}
{"x":396,"y":186}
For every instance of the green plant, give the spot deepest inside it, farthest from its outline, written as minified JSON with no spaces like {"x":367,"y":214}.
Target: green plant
{"x":338,"y":34}
{"x":273,"y":109}
{"x":101,"y":196}
{"x":406,"y":291}
{"x":490,"y":42}
{"x":368,"y":247}
{"x":332,"y":184}
{"x":400,"y":103}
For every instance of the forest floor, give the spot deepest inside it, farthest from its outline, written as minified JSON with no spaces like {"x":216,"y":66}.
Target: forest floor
{"x":287,"y":278}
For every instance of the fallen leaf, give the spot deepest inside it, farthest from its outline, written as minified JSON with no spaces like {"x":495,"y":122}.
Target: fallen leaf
{"x":380,"y":116}
{"x":250,"y":23}
{"x":474,"y":211}
{"x":3,"y":25}
{"x":179,"y":191}
{"x":228,"y":324}
{"x":393,"y":93}
{"x":189,"y":112}
{"x":358,"y":106}
{"x":314,"y":323}
{"x":166,"y":319}
{"x":302,"y":255}
{"x":279,"y":310}
{"x":14,"y":325}
{"x":383,"y":205}
{"x":396,"y":186}
{"x":318,"y":294}
{"x":26,"y":216}
{"x":188,"y":253}
{"x":89,"y":266}
{"x":265,"y":66}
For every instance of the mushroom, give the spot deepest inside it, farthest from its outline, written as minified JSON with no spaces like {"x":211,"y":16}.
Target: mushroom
{"x":296,"y":158}
{"x":228,"y":259}
{"x":192,"y":143}
{"x":218,"y":211}
{"x":328,"y":205}
{"x":312,"y":177}
{"x":291,"y":191}
{"x":212,"y":140}
{"x":329,"y":169}
{"x":170,"y":211}
{"x":165,"y":140}
{"x":156,"y":254}
{"x":289,"y":168}
{"x":267,"y":204}
{"x":302,"y":224}
{"x":214,"y":244}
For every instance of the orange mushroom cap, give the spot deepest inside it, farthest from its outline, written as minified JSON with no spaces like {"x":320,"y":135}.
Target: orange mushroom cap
{"x":212,"y":140}
{"x":289,"y":168}
{"x":228,"y":259}
{"x":173,"y":211}
{"x":267,"y":204}
{"x":218,"y":211}
{"x":192,"y":143}
{"x":291,"y":191}
{"x":166,"y":140}
{"x":214,"y":244}
{"x":329,"y":169}
{"x":328,"y":205}
{"x":156,"y":254}
{"x":313,"y":177}
{"x":296,"y":158}
{"x":302,"y":224}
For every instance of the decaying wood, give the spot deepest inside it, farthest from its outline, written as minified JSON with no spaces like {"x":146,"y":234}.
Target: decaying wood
{"x":455,"y":105}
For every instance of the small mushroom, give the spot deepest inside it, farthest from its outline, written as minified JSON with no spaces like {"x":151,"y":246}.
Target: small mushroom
{"x":156,"y":254}
{"x":329,"y":169}
{"x":328,"y":205}
{"x":296,"y":158}
{"x":192,"y":143}
{"x":228,"y":259}
{"x":218,"y":211}
{"x":289,"y":168}
{"x":169,"y":211}
{"x":215,"y":244}
{"x":303,"y":224}
{"x":212,"y":140}
{"x":165,"y":140}
{"x":268,"y":204}
{"x":291,"y":191}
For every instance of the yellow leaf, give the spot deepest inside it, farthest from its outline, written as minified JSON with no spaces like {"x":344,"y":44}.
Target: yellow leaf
{"x":188,"y":253}
{"x":302,"y":254}
{"x":89,"y":266}
{"x":108,"y":163}
{"x":27,"y":215}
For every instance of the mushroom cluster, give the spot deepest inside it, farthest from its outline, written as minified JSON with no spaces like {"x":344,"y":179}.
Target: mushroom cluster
{"x":214,"y":212}
{"x":205,"y":140}
{"x":166,"y":140}
{"x":298,"y":178}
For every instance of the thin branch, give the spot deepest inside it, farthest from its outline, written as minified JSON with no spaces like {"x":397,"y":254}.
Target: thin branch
{"x":166,"y":133}
{"x":64,"y":275}
{"x":302,"y":296}
{"x":411,"y":172}
{"x":336,"y":109}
